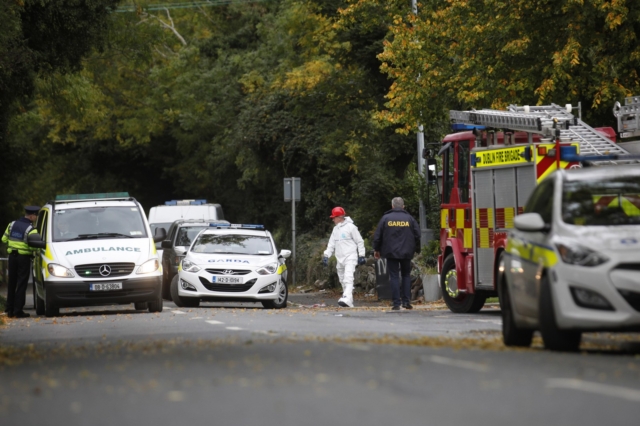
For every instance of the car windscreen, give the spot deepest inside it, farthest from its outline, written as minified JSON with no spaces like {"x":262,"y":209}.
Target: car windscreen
{"x":186,"y":234}
{"x":97,"y":223}
{"x":608,"y":202}
{"x":233,"y":244}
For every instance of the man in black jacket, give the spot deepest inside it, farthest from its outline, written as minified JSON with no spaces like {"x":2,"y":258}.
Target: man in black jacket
{"x":397,"y":238}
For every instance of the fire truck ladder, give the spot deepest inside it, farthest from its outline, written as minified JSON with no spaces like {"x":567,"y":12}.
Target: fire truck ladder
{"x":541,"y":120}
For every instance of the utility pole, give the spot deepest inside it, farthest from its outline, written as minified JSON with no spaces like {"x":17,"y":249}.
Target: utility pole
{"x":292,"y":193}
{"x":424,"y":236}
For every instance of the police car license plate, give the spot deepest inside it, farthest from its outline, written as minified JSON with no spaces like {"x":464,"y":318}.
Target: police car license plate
{"x":105,"y":286}
{"x":226,"y":280}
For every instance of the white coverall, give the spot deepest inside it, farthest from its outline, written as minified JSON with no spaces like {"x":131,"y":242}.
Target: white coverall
{"x":348,"y":246}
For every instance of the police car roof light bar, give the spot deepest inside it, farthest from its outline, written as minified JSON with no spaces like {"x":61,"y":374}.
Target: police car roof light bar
{"x":236,"y":225}
{"x":87,"y":197}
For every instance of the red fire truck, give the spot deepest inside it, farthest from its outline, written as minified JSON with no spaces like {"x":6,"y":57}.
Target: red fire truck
{"x":489,"y":169}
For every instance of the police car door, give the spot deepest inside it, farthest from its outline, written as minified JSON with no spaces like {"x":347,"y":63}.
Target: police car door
{"x":531,"y":249}
{"x":41,"y":227}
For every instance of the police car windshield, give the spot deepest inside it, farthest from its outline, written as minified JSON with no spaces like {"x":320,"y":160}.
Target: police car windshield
{"x":233,"y":244}
{"x":98,"y":223}
{"x":602,"y":203}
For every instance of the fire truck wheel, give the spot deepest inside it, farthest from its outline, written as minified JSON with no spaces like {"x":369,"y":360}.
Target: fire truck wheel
{"x":460,"y":303}
{"x":511,"y":334}
{"x":554,"y":339}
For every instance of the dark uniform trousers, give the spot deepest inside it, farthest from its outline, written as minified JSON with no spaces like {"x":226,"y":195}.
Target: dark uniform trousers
{"x":19,"y":267}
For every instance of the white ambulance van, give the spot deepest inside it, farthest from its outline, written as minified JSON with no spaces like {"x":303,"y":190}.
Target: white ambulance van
{"x":96,"y":249}
{"x":163,"y":216}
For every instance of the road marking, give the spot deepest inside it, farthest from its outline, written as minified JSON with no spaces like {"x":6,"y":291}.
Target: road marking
{"x":214,"y":322}
{"x":178,"y":312}
{"x":195,"y":318}
{"x":598,"y":388}
{"x":499,"y":322}
{"x":234,"y":328}
{"x":458,"y":363}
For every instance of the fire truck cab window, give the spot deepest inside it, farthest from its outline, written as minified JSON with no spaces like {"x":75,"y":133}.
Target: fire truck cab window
{"x":447,"y":174}
{"x":463,"y":171}
{"x":541,"y":201}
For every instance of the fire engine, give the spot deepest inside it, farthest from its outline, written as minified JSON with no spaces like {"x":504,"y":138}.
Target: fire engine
{"x":489,"y":169}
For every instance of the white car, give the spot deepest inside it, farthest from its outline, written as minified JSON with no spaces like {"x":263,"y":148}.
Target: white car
{"x":232,"y":263}
{"x":572,"y":263}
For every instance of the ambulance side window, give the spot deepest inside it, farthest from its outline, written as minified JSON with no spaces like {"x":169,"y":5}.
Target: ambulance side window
{"x":463,"y":171}
{"x":447,"y":175}
{"x":541,"y":201}
{"x":41,"y":224}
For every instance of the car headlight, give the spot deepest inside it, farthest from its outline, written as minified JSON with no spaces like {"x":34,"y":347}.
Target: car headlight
{"x":189,"y":266}
{"x":59,"y":271}
{"x":575,"y":254}
{"x":149,"y":266}
{"x":268,"y":269}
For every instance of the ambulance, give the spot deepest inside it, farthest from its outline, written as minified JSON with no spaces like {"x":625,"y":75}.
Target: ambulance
{"x":95,"y":249}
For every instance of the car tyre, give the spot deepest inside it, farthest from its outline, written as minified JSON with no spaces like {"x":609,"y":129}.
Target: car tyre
{"x":554,"y":339}
{"x":156,"y":305}
{"x":182,"y":302}
{"x":141,"y":306}
{"x":463,"y":303}
{"x":512,"y":335}
{"x":38,"y":303}
{"x":50,"y":308}
{"x":281,"y":301}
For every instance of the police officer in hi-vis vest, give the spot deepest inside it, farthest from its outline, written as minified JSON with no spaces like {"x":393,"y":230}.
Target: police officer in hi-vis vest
{"x":397,"y":238}
{"x":20,"y":255}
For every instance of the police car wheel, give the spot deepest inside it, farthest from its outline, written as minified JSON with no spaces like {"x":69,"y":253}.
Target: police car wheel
{"x":511,"y":334}
{"x":554,"y":339}
{"x":39,"y":303}
{"x":459,"y":303}
{"x":281,"y":301}
{"x":182,"y":302}
{"x":141,"y":306}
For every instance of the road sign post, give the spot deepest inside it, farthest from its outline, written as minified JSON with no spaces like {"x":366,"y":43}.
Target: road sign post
{"x":292,"y":193}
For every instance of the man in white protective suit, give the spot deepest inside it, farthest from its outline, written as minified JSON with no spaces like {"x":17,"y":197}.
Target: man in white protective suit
{"x":349,"y":250}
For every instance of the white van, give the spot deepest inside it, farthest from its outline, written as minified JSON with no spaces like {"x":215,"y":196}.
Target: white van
{"x":96,"y":249}
{"x":163,"y":216}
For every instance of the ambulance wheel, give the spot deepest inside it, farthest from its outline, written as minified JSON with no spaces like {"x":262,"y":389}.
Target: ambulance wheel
{"x":156,"y":305}
{"x":182,"y":302}
{"x":141,"y":306}
{"x":281,"y":301}
{"x":511,"y":334}
{"x":50,"y":308}
{"x":38,"y":302}
{"x":459,"y":303}
{"x":554,"y":339}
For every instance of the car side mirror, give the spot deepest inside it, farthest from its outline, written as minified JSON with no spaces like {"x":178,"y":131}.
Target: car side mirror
{"x":35,"y":240}
{"x":530,"y":222}
{"x":166,"y":244}
{"x":284,"y":253}
{"x":159,"y":235}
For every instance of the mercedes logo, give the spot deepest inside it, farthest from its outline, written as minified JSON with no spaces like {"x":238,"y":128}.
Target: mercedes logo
{"x":228,"y":272}
{"x":105,"y":270}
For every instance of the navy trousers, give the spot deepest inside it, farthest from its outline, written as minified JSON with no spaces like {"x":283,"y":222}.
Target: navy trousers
{"x":401,"y":293}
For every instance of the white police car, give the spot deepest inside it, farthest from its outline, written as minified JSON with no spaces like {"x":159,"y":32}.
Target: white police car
{"x":572,"y":263}
{"x":232,"y":263}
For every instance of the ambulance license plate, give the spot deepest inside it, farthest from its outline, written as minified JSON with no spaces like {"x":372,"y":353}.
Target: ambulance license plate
{"x":226,"y":280}
{"x":105,"y":286}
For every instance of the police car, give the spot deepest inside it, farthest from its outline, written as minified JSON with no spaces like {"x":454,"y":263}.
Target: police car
{"x":97,"y":249}
{"x":572,"y":263}
{"x":232,"y":263}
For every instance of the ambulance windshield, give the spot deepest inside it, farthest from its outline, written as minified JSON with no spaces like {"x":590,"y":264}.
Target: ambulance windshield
{"x":602,"y":203}
{"x":98,"y":223}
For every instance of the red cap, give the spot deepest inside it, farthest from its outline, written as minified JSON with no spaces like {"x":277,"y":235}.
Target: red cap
{"x":336,"y":212}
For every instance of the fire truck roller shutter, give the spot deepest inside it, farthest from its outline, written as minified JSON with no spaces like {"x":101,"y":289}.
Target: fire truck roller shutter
{"x":485,"y":226}
{"x":526,"y":183}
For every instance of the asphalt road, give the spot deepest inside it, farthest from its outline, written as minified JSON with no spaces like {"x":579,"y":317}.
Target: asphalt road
{"x":231,"y":364}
